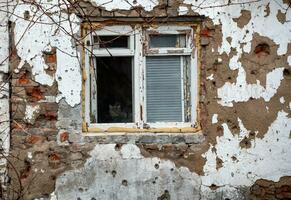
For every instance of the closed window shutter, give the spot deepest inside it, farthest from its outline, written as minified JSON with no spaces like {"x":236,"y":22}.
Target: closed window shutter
{"x":163,"y":89}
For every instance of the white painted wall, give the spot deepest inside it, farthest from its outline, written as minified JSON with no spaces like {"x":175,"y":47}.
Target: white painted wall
{"x":126,"y":4}
{"x":260,"y":23}
{"x":33,"y":39}
{"x":146,"y":178}
{"x":4,"y":88}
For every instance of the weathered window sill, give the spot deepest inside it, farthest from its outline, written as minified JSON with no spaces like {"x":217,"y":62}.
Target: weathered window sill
{"x":144,"y":137}
{"x":138,"y":130}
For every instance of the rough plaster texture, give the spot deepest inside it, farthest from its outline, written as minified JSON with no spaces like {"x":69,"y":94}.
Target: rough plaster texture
{"x":126,"y":5}
{"x":69,"y":121}
{"x":4,"y":94}
{"x":242,"y":166}
{"x":33,"y":39}
{"x":31,"y":112}
{"x":241,"y":38}
{"x":116,"y":174}
{"x":229,"y":167}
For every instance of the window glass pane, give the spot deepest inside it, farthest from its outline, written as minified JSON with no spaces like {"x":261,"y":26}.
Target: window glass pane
{"x":163,"y":89}
{"x":115,"y":41}
{"x":114,"y":89}
{"x":167,"y":40}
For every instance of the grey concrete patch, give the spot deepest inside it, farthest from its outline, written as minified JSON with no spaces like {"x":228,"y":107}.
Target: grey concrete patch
{"x":126,"y":174}
{"x":145,"y":138}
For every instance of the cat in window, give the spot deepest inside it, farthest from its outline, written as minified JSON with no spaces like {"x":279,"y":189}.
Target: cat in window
{"x":116,"y":113}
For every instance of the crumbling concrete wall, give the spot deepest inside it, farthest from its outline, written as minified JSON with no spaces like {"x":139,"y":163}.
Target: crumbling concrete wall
{"x":245,"y":105}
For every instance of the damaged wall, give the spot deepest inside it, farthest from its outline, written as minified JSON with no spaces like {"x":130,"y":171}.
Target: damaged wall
{"x":4,"y":93}
{"x":243,"y":150}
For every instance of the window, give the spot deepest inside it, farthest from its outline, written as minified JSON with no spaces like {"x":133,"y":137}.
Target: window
{"x":141,"y":77}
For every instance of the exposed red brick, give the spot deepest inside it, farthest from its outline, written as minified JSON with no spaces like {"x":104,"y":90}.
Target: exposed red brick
{"x":35,"y":93}
{"x":54,"y":157}
{"x":51,"y":115}
{"x":23,"y":80}
{"x":51,"y":57}
{"x":15,"y":125}
{"x":25,"y":173}
{"x":205,"y":32}
{"x":64,"y":136}
{"x":34,"y":139}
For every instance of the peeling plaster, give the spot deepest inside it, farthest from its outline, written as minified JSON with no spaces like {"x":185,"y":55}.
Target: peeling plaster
{"x":126,"y":4}
{"x":282,"y":100}
{"x":225,"y":192}
{"x":214,"y":119}
{"x":4,"y":43}
{"x":242,"y":39}
{"x":108,"y":167}
{"x":183,"y":10}
{"x":210,"y":77}
{"x":250,"y":164}
{"x":241,"y":91}
{"x":29,"y":155}
{"x":33,"y":39}
{"x":30,"y":113}
{"x":279,"y":33}
{"x":145,"y":178}
{"x":4,"y":94}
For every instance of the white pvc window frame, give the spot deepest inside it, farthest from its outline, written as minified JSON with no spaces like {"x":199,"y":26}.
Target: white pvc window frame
{"x":90,"y":60}
{"x":182,"y":52}
{"x":114,"y":31}
{"x":139,"y":50}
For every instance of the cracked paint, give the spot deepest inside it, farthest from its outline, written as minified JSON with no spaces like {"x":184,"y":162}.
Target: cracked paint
{"x":4,"y":94}
{"x":33,"y":39}
{"x":210,"y":77}
{"x":126,"y":171}
{"x":241,"y":91}
{"x":183,"y":10}
{"x":126,"y":4}
{"x":250,"y":163}
{"x":214,"y":118}
{"x":30,"y":113}
{"x":279,"y":33}
{"x":127,"y":163}
{"x":146,"y":178}
{"x":289,"y":60}
{"x":282,"y":100}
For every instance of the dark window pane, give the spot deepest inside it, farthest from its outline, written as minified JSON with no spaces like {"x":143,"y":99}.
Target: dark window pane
{"x":114,"y":89}
{"x":112,"y":41}
{"x":174,"y":41}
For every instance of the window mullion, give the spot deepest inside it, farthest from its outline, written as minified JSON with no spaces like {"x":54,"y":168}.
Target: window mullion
{"x":143,"y":77}
{"x":194,"y":86}
{"x":138,"y":62}
{"x":182,"y":89}
{"x":87,"y":87}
